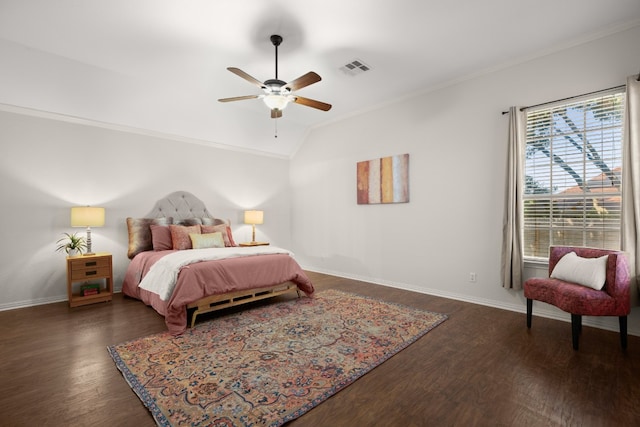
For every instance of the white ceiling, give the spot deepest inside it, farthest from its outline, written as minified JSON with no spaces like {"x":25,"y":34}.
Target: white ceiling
{"x":160,"y":65}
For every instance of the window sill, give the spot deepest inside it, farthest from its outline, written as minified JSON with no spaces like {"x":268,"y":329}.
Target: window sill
{"x":536,"y":262}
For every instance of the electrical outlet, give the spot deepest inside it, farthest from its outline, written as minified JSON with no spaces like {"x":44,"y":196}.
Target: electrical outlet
{"x":473,"y":277}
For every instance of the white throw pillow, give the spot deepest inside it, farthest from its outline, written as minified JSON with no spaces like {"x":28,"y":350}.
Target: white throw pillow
{"x":591,"y":272}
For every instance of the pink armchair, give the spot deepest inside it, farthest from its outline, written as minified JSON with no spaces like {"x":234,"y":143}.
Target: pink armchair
{"x":612,"y":300}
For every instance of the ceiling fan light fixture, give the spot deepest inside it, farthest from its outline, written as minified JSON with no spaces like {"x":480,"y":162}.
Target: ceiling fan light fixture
{"x":274,"y":86}
{"x":277,"y":102}
{"x":277,"y":93}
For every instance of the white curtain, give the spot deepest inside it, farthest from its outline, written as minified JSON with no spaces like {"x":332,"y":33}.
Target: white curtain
{"x":631,"y":181}
{"x":512,"y":222}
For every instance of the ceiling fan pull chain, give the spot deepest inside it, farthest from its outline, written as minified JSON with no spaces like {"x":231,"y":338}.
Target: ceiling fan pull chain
{"x":276,"y":123}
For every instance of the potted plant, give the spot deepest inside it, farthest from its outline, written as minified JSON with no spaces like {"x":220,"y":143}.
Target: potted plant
{"x":72,"y":244}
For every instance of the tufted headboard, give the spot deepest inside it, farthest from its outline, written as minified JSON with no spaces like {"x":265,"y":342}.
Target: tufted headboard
{"x":179,"y":205}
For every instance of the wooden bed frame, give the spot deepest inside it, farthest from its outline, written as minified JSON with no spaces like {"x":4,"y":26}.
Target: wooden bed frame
{"x":182,"y":205}
{"x":231,"y":299}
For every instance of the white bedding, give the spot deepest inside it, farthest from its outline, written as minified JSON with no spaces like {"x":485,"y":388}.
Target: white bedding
{"x":163,"y":275}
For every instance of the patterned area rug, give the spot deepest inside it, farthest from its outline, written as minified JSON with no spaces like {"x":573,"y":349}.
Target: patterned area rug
{"x":268,"y":365}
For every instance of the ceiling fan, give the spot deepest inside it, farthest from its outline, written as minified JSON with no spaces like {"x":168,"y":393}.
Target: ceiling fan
{"x":277,"y":93}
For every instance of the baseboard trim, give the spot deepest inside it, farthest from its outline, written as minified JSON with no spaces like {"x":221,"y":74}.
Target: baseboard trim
{"x":609,"y":323}
{"x":39,"y":301}
{"x":31,"y":303}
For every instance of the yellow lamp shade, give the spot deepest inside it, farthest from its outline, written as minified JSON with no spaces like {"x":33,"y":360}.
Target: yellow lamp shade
{"x":253,"y":217}
{"x":87,"y":216}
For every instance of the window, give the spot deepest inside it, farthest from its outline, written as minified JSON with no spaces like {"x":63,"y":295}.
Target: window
{"x":573,"y":175}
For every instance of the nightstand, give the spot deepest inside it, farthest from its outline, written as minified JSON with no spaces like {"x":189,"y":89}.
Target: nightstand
{"x":254,"y":244}
{"x":83,"y":269}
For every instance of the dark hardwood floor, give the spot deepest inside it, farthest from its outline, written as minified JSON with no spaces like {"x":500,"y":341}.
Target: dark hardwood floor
{"x":480,"y":367}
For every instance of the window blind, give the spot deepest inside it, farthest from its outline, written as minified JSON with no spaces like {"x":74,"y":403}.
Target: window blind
{"x":573,"y":174}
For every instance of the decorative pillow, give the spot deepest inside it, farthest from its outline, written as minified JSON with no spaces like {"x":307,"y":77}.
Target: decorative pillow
{"x":233,"y":242}
{"x":207,"y":240}
{"x":590,"y":272}
{"x":180,"y":236}
{"x":190,"y":221}
{"x":161,"y":238}
{"x":221,"y":228}
{"x":140,"y":234}
{"x":199,"y":221}
{"x":208,"y":221}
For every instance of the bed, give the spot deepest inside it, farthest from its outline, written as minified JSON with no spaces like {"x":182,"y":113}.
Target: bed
{"x":185,"y":262}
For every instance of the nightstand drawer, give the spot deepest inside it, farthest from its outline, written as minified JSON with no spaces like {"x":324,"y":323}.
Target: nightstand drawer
{"x":88,"y":273}
{"x":89,"y":263}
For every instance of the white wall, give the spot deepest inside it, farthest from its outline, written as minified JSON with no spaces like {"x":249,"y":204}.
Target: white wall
{"x":456,"y":138}
{"x":47,"y":166}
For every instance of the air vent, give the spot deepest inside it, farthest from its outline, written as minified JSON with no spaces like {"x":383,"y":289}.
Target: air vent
{"x":355,"y":67}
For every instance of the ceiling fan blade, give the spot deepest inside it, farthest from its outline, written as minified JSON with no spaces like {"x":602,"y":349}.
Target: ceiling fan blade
{"x":238,"y":98}
{"x":276,"y":114}
{"x":303,"y":81}
{"x":312,"y":103}
{"x":247,"y":77}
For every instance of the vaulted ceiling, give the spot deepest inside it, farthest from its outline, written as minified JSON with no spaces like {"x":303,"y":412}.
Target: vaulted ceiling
{"x":159,"y":66}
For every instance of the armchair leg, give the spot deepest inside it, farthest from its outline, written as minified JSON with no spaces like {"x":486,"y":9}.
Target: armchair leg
{"x":529,"y":311}
{"x":623,"y":331}
{"x":580,"y":324}
{"x":576,"y":327}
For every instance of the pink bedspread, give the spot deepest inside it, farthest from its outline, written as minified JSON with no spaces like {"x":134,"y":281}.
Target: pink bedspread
{"x":206,"y":278}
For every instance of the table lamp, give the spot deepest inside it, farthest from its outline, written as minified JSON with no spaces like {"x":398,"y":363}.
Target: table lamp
{"x":87,"y":216}
{"x":253,"y":218}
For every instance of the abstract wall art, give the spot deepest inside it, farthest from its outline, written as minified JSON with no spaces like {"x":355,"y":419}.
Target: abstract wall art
{"x":384,"y":180}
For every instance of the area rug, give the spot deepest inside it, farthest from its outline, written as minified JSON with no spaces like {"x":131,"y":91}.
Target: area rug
{"x":268,"y":365}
